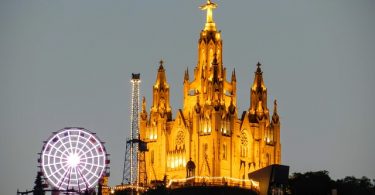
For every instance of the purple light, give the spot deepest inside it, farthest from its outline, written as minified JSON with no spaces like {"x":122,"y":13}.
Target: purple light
{"x":73,"y":158}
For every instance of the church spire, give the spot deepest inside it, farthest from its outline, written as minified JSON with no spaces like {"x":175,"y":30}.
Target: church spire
{"x":186,"y":76}
{"x":210,"y":24}
{"x":234,"y":75}
{"x":258,"y":94}
{"x":161,"y":102}
{"x":258,"y":79}
{"x":161,"y":80}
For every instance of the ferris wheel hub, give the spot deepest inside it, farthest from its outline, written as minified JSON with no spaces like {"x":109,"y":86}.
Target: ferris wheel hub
{"x":73,"y":160}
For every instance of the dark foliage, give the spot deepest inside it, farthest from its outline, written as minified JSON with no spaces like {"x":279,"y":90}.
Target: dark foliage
{"x":316,"y":183}
{"x":38,"y":188}
{"x":352,"y":185}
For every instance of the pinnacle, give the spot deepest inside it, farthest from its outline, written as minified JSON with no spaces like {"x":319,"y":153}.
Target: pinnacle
{"x":258,"y":69}
{"x":161,"y":62}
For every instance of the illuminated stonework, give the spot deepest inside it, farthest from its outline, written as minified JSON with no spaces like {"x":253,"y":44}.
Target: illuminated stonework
{"x":207,"y":132}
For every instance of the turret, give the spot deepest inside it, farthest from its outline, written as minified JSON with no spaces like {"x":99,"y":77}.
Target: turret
{"x":234,"y":84}
{"x":186,"y":75}
{"x":275,"y":126}
{"x":234,"y":79}
{"x":161,"y":103}
{"x":275,"y":115}
{"x":144,"y":112}
{"x":258,"y":97}
{"x":143,"y":120}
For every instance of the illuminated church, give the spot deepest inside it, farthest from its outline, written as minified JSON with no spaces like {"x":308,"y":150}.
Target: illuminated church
{"x":209,"y":136}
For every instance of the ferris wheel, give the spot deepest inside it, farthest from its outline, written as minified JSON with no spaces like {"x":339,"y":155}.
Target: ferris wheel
{"x":73,"y":159}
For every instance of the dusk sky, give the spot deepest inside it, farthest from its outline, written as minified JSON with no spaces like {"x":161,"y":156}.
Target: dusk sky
{"x":69,"y":63}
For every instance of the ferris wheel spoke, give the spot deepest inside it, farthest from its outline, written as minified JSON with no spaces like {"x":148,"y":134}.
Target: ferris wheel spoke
{"x":76,"y":145}
{"x":78,"y":179}
{"x":57,"y":170}
{"x":69,"y":176}
{"x":95,"y":165}
{"x":55,"y":149}
{"x":91,"y":157}
{"x":96,"y":175}
{"x":70,"y":142}
{"x":85,"y":152}
{"x":64,"y":166}
{"x":86,"y":146}
{"x":76,"y":148}
{"x":62,"y":179}
{"x":54,"y":164}
{"x":79,"y":150}
{"x":93,"y":148}
{"x":56,"y":157}
{"x":94,"y":172}
{"x":89,"y":171}
{"x":83,"y":178}
{"x":79,"y":154}
{"x":65,"y":159}
{"x":87,"y":140}
{"x":53,"y":156}
{"x":65,"y":148}
{"x":59,"y":148}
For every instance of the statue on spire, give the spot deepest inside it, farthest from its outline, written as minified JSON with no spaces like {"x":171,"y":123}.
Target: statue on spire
{"x":209,"y":6}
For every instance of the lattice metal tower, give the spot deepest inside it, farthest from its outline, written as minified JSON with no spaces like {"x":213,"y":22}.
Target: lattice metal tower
{"x":131,"y":165}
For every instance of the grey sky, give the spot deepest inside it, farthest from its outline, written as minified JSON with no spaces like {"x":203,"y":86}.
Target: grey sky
{"x":68,"y":63}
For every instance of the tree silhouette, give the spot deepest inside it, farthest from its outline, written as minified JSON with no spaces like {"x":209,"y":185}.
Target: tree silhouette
{"x":38,"y":188}
{"x":352,"y":185}
{"x":314,"y":183}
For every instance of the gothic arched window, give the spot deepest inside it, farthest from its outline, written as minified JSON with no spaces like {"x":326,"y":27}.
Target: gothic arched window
{"x":180,"y":138}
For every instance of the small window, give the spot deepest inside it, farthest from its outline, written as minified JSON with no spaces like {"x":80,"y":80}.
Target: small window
{"x":224,"y":151}
{"x":192,"y":92}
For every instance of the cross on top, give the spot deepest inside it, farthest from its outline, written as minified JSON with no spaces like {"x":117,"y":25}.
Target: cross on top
{"x":161,"y":62}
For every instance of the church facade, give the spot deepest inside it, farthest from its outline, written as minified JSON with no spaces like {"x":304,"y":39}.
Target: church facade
{"x":209,"y":134}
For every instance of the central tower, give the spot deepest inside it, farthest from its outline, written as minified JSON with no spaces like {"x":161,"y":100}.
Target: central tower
{"x":207,"y":138}
{"x":209,"y":85}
